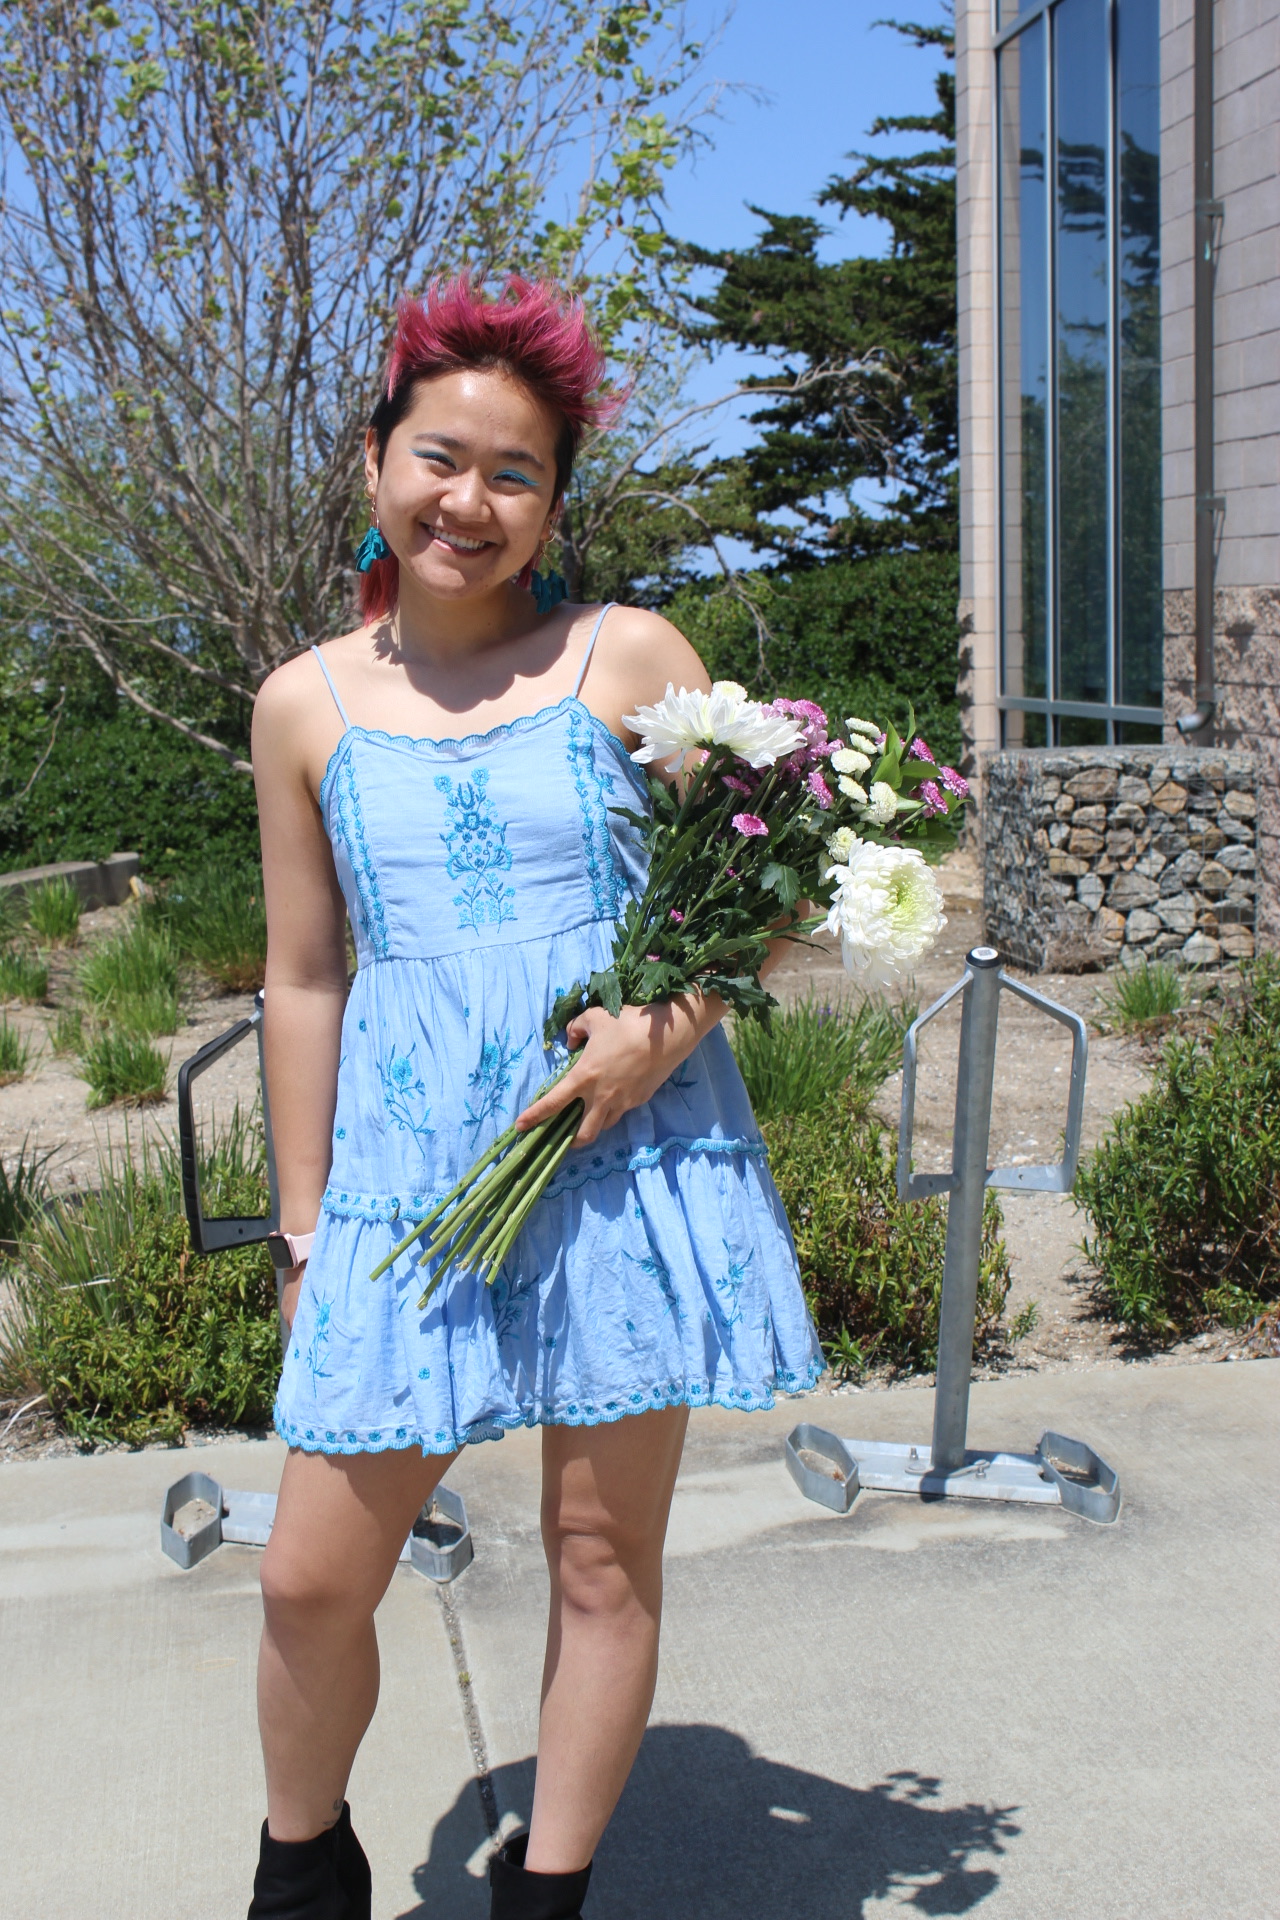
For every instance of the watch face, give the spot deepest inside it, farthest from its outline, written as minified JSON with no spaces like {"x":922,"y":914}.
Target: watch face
{"x":278,"y":1248}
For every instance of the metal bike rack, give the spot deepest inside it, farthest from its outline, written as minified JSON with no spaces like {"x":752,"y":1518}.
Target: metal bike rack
{"x":440,"y":1543}
{"x":1061,"y":1472}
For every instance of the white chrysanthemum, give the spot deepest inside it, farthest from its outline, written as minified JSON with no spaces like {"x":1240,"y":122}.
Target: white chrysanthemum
{"x":725,"y":717}
{"x":868,"y":727}
{"x":841,"y":845}
{"x":883,"y":803}
{"x":849,"y":760}
{"x":851,"y":789}
{"x":887,"y":909}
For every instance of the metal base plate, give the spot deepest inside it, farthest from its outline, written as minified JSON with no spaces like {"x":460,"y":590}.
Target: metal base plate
{"x":439,"y":1546}
{"x":1060,"y":1473}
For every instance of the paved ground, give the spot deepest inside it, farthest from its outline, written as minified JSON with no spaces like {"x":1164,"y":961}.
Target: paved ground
{"x":919,"y":1708}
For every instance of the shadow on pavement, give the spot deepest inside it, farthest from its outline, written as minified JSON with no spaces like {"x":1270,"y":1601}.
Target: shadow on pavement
{"x":707,"y":1830}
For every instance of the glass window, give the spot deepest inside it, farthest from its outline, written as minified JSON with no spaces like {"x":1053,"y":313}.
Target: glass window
{"x":1079,"y":325}
{"x":1141,"y":570}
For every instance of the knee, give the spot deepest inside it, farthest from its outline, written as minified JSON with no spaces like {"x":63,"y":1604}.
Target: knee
{"x":602,"y":1577}
{"x":302,"y":1601}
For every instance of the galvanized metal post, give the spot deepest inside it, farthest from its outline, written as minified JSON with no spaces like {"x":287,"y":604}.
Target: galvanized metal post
{"x":981,"y":1008}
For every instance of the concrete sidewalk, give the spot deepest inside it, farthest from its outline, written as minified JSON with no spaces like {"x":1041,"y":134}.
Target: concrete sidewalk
{"x":919,"y":1708}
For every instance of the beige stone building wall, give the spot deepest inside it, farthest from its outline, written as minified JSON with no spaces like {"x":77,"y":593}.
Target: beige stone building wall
{"x":1247,"y":393}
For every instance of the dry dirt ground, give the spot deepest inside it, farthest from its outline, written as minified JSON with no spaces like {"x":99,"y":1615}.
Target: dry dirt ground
{"x":1043,"y":1232}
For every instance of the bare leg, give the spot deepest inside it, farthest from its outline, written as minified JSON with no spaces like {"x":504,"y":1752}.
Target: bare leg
{"x":606,"y":1496}
{"x":341,"y":1521}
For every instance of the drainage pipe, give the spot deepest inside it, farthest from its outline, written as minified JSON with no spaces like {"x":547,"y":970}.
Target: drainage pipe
{"x":1208,"y":212}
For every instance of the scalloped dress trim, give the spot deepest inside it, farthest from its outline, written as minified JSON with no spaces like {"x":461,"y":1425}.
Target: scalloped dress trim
{"x":468,"y":741}
{"x":387,"y":1207}
{"x":671,"y":1393}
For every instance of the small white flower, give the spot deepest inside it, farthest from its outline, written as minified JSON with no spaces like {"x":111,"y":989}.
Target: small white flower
{"x":841,"y":844}
{"x":849,"y":760}
{"x":851,"y":789}
{"x":887,"y":909}
{"x":868,"y":727}
{"x":883,"y":803}
{"x":725,"y":717}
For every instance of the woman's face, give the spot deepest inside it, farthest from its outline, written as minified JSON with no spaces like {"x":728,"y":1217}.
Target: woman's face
{"x":465,"y":492}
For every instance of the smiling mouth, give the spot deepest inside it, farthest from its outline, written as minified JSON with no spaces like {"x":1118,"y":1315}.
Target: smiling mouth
{"x":458,"y":542}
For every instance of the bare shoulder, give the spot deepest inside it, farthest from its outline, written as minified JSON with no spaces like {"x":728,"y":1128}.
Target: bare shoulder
{"x":294,"y":705}
{"x":644,"y":652}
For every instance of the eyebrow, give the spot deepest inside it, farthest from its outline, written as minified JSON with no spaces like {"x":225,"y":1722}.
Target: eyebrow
{"x":505,"y":453}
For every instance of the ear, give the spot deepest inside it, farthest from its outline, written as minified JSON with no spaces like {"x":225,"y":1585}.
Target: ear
{"x":371,"y":461}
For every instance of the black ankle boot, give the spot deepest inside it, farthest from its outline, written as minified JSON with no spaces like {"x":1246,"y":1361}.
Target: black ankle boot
{"x":354,"y":1876}
{"x":301,"y":1880}
{"x":517,"y":1894}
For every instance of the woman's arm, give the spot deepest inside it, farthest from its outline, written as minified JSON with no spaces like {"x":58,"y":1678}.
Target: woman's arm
{"x":306,"y":978}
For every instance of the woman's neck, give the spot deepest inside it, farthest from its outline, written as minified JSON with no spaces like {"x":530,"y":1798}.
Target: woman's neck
{"x":440,"y":634}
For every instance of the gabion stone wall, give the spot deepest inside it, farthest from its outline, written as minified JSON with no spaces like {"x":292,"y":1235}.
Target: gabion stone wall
{"x":1093,"y":855}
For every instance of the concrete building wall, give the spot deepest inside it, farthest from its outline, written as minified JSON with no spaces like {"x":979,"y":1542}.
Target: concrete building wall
{"x":975,"y":219}
{"x":1247,"y":393}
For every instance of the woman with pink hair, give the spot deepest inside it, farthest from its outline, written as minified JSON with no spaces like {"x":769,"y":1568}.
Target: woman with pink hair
{"x":445,"y":779}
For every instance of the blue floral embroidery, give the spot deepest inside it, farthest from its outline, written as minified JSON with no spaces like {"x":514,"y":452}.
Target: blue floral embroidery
{"x":319,"y":1342}
{"x":373,"y":917}
{"x":730,"y":1283}
{"x":656,"y":1269}
{"x":402,"y":1089}
{"x":478,"y":853}
{"x":510,"y":1301}
{"x":492,"y":1078}
{"x":608,"y":893}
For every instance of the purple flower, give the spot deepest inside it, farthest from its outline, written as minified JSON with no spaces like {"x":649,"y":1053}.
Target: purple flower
{"x":819,"y":789}
{"x":954,"y":783}
{"x":677,"y":916}
{"x":930,"y":794}
{"x":919,"y":751}
{"x":732,"y":780}
{"x":751,"y":825}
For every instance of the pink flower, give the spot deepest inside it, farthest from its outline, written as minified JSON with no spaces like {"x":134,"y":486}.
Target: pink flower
{"x":653,"y":956}
{"x":819,"y":789}
{"x":933,"y":800}
{"x":954,"y":782}
{"x":732,"y":780}
{"x":751,"y":825}
{"x":677,"y":916}
{"x":731,"y":873}
{"x":919,"y":751}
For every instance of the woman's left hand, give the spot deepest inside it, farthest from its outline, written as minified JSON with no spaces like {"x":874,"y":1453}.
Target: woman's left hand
{"x":624,"y":1060}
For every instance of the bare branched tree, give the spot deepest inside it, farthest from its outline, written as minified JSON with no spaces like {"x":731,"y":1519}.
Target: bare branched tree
{"x":208,"y":210}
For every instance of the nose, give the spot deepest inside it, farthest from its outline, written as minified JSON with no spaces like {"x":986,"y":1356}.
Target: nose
{"x":463,"y":497}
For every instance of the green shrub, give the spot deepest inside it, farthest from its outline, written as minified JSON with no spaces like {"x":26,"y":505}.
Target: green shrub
{"x":138,"y":962}
{"x":796,"y":1063}
{"x":1184,"y":1191}
{"x":123,"y":1068}
{"x":15,"y":1053}
{"x":859,"y":636}
{"x":871,"y":1264}
{"x":23,"y":976}
{"x":1143,"y":998}
{"x":116,"y":780}
{"x":217,"y":917}
{"x":53,"y":911}
{"x":155,"y":1011}
{"x":24,"y":1189}
{"x":130,"y":1335}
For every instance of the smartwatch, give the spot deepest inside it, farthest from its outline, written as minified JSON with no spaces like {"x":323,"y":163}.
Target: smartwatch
{"x":289,"y":1249}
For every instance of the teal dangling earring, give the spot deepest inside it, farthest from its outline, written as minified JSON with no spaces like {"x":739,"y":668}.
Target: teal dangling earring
{"x":548,"y":590}
{"x":372,"y":547}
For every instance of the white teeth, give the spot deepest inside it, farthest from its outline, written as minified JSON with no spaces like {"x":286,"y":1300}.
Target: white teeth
{"x":456,"y":540}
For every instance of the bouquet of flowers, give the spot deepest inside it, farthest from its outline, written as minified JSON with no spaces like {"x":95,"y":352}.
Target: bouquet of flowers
{"x":769,"y":813}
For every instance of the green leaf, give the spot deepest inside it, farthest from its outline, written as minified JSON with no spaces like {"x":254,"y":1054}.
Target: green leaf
{"x":784,"y":881}
{"x":605,"y":990}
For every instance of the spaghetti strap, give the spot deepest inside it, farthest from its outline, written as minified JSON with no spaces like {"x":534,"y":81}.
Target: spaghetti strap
{"x":586,"y":658}
{"x":334,"y":691}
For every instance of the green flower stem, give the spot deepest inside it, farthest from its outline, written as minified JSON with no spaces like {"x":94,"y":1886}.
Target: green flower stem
{"x":511,"y":1138}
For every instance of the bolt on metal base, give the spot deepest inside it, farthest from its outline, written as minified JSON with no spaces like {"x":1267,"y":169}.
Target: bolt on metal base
{"x":1061,"y":1472}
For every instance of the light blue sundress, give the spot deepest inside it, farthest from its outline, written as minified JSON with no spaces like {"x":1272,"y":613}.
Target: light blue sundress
{"x":482,"y":876}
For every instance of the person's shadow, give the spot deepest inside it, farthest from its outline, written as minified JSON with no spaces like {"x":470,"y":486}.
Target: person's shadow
{"x":707,"y":1830}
